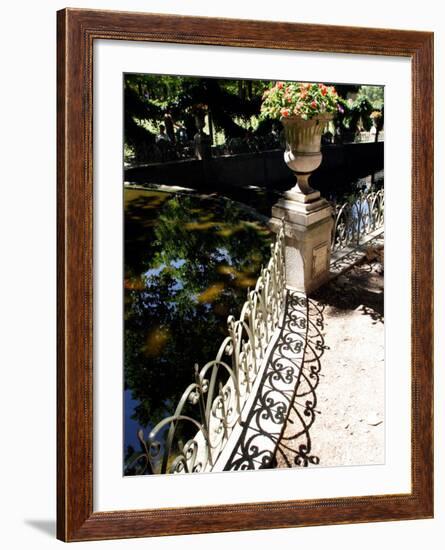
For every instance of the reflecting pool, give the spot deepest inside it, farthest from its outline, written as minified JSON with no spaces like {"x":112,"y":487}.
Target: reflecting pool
{"x":189,"y":260}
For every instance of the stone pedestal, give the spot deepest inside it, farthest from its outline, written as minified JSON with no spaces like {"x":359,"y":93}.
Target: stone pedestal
{"x":202,"y":146}
{"x":307,"y":227}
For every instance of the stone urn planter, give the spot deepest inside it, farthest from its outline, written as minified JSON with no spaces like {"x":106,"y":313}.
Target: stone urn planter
{"x":304,"y":109}
{"x":303,"y":149}
{"x":202,"y":143}
{"x":200,"y":121}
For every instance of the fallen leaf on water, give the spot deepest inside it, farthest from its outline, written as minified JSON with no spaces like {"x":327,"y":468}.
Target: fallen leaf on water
{"x":197,"y":226}
{"x":134,"y":283}
{"x":156,"y":340}
{"x":226,"y":270}
{"x":211,"y":293}
{"x":245,"y":282}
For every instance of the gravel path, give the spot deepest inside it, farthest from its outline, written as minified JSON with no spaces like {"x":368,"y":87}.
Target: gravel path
{"x":348,"y":427}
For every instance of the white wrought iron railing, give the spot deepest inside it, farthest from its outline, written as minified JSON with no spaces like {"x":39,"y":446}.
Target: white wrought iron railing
{"x":193,"y":437}
{"x":357,"y":218}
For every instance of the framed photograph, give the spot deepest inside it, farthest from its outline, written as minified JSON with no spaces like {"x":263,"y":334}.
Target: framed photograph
{"x":245,"y":252}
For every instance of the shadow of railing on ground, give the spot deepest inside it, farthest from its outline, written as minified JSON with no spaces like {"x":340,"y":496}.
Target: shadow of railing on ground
{"x":362,"y":286}
{"x":276,"y":432}
{"x":295,"y":446}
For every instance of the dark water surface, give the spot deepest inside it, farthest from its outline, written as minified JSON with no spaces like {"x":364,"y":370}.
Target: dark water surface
{"x":189,"y":261}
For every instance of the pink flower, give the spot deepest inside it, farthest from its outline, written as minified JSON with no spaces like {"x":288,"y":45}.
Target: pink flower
{"x":279,"y":85}
{"x":314,"y":104}
{"x":284,"y":112}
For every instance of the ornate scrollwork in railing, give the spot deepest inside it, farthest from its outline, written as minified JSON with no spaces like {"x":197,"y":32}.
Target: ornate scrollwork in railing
{"x":193,"y":437}
{"x":357,"y":218}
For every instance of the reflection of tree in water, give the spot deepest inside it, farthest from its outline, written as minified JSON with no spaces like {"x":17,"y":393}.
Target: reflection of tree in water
{"x":189,"y":261}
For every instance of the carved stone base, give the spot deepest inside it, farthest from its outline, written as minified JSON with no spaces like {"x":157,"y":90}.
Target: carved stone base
{"x":302,"y":197}
{"x":307,"y":228}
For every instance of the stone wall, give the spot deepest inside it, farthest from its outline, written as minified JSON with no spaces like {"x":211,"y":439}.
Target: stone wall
{"x":341,"y":163}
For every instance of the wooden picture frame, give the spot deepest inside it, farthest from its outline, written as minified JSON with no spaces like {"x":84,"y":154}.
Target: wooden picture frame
{"x":77,"y":31}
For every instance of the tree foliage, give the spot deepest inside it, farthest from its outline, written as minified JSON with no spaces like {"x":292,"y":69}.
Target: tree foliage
{"x":231,"y":104}
{"x":149,"y":97}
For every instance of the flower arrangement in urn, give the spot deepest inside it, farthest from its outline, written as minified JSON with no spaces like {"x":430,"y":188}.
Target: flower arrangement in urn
{"x":304,"y":109}
{"x":299,"y":99}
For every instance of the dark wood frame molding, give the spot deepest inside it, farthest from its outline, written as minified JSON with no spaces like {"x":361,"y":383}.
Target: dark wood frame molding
{"x":77,"y":30}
